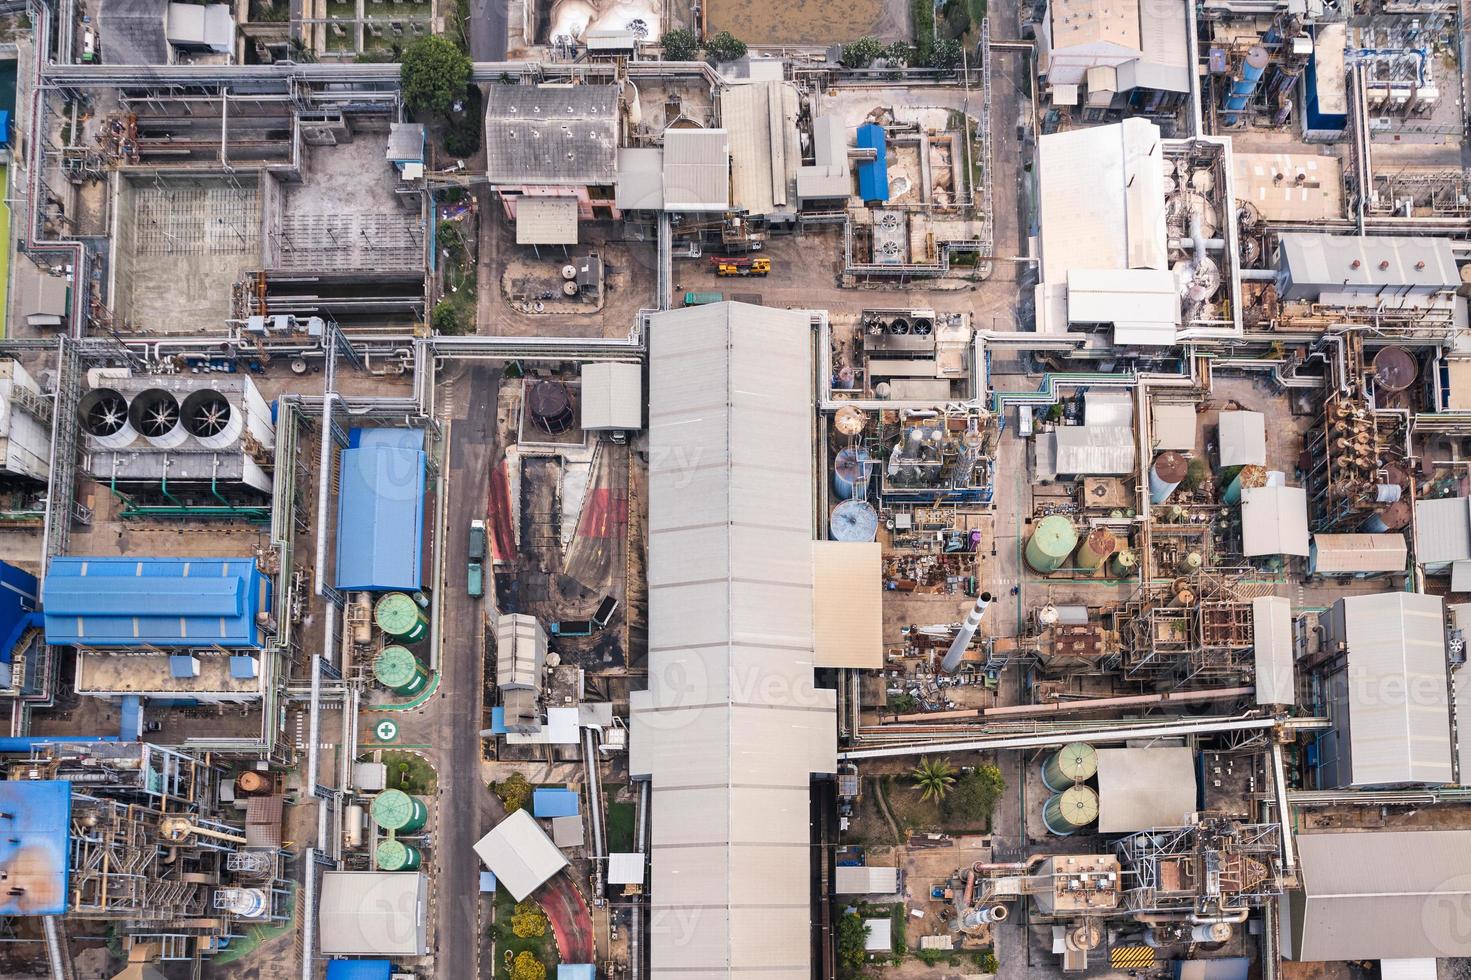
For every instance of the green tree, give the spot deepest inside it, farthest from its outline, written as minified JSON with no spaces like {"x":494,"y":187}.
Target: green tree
{"x":433,"y":75}
{"x":852,"y":938}
{"x":902,"y":704}
{"x":986,"y":960}
{"x":447,"y":319}
{"x":861,"y":53}
{"x":945,"y":54}
{"x":933,"y":778}
{"x":527,"y":967}
{"x":514,"y":791}
{"x":898,"y":54}
{"x":724,"y":47}
{"x":976,"y":794}
{"x":1197,"y":473}
{"x":528,"y":921}
{"x":679,"y":45}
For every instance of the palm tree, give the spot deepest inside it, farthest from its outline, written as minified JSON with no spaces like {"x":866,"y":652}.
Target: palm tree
{"x":933,"y":778}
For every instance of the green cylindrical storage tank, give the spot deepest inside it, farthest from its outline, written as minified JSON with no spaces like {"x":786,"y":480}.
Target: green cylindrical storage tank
{"x":1074,"y":763}
{"x":400,"y":671}
{"x":399,"y":615}
{"x":1070,"y":811}
{"x":1123,"y":564}
{"x":1052,"y":541}
{"x":393,"y":809}
{"x":1248,"y":476}
{"x":395,"y":855}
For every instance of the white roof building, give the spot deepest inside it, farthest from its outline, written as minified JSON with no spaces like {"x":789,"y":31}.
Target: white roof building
{"x":1115,"y":46}
{"x":1242,"y":437}
{"x":1272,"y":650}
{"x":1172,"y":427}
{"x":731,"y":727}
{"x":865,"y":880}
{"x":1274,"y":521}
{"x":765,"y":149}
{"x":373,"y":913}
{"x":520,"y":652}
{"x":1143,"y":788}
{"x":696,"y":170}
{"x":612,"y":396}
{"x":520,"y":854}
{"x":1093,"y":450}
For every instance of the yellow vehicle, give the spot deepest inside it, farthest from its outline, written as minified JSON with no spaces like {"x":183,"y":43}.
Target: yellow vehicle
{"x":740,"y":266}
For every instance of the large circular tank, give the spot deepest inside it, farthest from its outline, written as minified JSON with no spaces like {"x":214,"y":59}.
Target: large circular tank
{"x":399,"y":670}
{"x":550,"y":405}
{"x":1166,"y":474}
{"x":1074,"y":763}
{"x":1211,"y":932}
{"x":1395,"y":517}
{"x":395,"y":855}
{"x":1070,"y":811}
{"x":1123,"y":564}
{"x":1247,"y":477}
{"x":251,"y":782}
{"x":104,"y":413}
{"x":854,"y":520}
{"x":1395,"y":369}
{"x":247,"y":903}
{"x":1097,"y":547}
{"x":399,"y":615}
{"x":1052,"y":540}
{"x":850,"y":467}
{"x":850,"y":420}
{"x":393,"y":809}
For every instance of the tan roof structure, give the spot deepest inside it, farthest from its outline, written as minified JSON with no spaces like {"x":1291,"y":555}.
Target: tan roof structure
{"x":520,"y":652}
{"x":364,"y":913}
{"x":731,"y":727}
{"x":546,"y":221}
{"x":847,"y":603}
{"x":765,"y":149}
{"x":520,"y":854}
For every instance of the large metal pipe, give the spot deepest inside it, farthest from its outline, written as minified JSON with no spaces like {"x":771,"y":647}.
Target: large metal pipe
{"x":961,"y":643}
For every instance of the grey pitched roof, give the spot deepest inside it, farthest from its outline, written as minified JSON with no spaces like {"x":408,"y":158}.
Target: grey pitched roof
{"x":131,"y":32}
{"x":551,"y":134}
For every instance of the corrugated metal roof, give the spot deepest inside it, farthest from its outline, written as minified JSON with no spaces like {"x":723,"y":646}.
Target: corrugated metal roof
{"x":1374,"y":264}
{"x":520,"y":853}
{"x":1078,"y":23}
{"x":847,"y":601}
{"x":696,"y":170}
{"x":626,"y":868}
{"x":551,"y":134}
{"x":1353,"y":554}
{"x":1108,"y":406}
{"x":1093,"y":450}
{"x":520,"y":652}
{"x":554,"y":801}
{"x":546,"y":221}
{"x":873,"y":175}
{"x":405,"y":142}
{"x":1143,"y":788}
{"x":1273,"y":651}
{"x":1274,"y":521}
{"x":731,"y":726}
{"x":380,"y":519}
{"x":865,"y":880}
{"x":829,"y":175}
{"x":1420,"y":968}
{"x":612,"y":396}
{"x":1173,"y":427}
{"x":1143,"y":304}
{"x":1164,"y":39}
{"x":131,"y":32}
{"x":761,"y":118}
{"x":640,"y":184}
{"x":1350,"y":908}
{"x":1395,"y":689}
{"x":1242,"y":437}
{"x":373,"y":913}
{"x":1444,"y":526}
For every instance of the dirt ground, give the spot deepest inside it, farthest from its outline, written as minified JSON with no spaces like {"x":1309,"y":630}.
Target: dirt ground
{"x":809,"y":22}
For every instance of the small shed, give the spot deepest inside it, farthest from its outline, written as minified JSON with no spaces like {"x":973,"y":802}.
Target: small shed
{"x":626,"y":868}
{"x":1242,"y":437}
{"x":553,"y":801}
{"x":568,"y":831}
{"x":865,"y":880}
{"x":1357,"y":554}
{"x":1173,"y":427}
{"x":880,"y":936}
{"x":612,"y":397}
{"x":546,"y":221}
{"x":520,"y":854}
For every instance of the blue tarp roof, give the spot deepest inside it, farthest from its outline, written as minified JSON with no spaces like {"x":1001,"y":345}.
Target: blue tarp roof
{"x":164,"y":602}
{"x":498,"y":720}
{"x":553,"y":802}
{"x":35,"y":845}
{"x":17,"y":599}
{"x":397,"y":437}
{"x":576,"y":971}
{"x":380,"y":519}
{"x":487,"y":882}
{"x":359,"y":970}
{"x":873,"y":175}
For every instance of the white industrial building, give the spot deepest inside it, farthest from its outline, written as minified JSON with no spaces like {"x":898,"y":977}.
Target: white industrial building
{"x":1274,"y":521}
{"x":612,"y":397}
{"x":1388,"y":699}
{"x":1242,"y":438}
{"x":520,"y":854}
{"x":865,"y":880}
{"x":731,"y":728}
{"x":1273,"y":652}
{"x":1444,"y":539}
{"x":1142,"y":788}
{"x":373,"y":913}
{"x":25,"y":424}
{"x":1355,"y":270}
{"x":1092,"y":50}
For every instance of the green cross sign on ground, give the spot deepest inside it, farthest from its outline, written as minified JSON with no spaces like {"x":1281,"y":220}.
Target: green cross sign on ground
{"x":386,"y":731}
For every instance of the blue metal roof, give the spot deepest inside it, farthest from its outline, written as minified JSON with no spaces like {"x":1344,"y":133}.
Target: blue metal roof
{"x":552,"y":802}
{"x":380,"y":519}
{"x":487,"y":882}
{"x":163,"y":602}
{"x":576,"y":971}
{"x":873,"y":175}
{"x":359,"y":969}
{"x":396,"y":437}
{"x":17,"y":601}
{"x":35,"y":845}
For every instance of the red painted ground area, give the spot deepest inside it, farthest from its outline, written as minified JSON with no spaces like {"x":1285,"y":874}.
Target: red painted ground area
{"x":604,"y":514}
{"x":502,"y":536}
{"x":570,"y":919}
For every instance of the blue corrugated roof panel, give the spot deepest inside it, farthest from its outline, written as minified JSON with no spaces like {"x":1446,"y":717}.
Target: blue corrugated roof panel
{"x":162,"y":602}
{"x":873,"y":175}
{"x":35,"y":845}
{"x":576,"y":971}
{"x":17,"y":600}
{"x":380,"y":520}
{"x":359,"y":969}
{"x":396,"y":437}
{"x":552,"y":802}
{"x":487,"y":882}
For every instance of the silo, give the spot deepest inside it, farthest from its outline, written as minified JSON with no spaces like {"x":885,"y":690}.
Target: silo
{"x":1074,"y":763}
{"x":849,"y":469}
{"x":1070,"y":811}
{"x":1123,"y":564}
{"x":1052,"y":540}
{"x":1395,"y":369}
{"x":246,"y":903}
{"x":854,"y":520}
{"x":400,"y":671}
{"x":1211,"y":932}
{"x":395,"y":855}
{"x":393,"y":809}
{"x":1247,"y":477}
{"x":550,"y":405}
{"x":1097,"y":547}
{"x":400,"y":616}
{"x":1165,"y":475}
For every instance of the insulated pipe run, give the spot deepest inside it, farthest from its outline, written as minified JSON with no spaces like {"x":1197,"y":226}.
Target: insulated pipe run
{"x":967,"y":630}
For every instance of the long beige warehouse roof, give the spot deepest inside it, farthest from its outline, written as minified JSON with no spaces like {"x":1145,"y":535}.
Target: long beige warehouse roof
{"x":731,"y":727}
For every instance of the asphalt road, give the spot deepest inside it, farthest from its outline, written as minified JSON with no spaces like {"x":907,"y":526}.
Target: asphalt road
{"x":488,"y":30}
